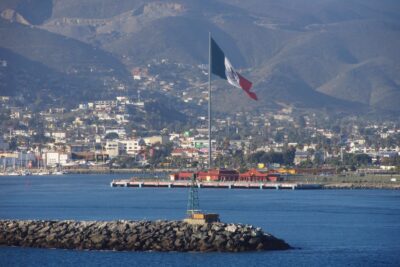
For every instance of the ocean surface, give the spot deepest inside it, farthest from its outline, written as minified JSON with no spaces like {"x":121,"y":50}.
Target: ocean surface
{"x":327,"y":227}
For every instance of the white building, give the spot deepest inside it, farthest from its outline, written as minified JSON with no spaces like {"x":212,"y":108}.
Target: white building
{"x":59,"y":137}
{"x":301,"y":156}
{"x":123,"y":99}
{"x":52,"y":159}
{"x":131,"y":146}
{"x":151,"y":140}
{"x":112,"y":148}
{"x":122,"y":118}
{"x":105,"y":104}
{"x":83,"y":106}
{"x":104,"y":116}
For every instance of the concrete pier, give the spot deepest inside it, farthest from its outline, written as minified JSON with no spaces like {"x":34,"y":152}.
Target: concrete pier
{"x":216,"y":185}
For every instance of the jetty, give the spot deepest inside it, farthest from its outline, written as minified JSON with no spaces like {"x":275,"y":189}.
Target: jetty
{"x":137,"y":236}
{"x":215,"y":185}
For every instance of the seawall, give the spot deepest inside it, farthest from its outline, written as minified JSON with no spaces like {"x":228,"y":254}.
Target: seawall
{"x":137,"y":236}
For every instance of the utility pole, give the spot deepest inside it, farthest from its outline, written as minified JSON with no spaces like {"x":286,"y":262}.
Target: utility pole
{"x":209,"y":102}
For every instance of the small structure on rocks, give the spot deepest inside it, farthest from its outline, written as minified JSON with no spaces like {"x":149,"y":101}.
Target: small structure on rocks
{"x":195,"y":216}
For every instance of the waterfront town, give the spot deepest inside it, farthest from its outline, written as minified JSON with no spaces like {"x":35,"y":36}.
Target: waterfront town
{"x":109,"y":134}
{"x":136,"y":127}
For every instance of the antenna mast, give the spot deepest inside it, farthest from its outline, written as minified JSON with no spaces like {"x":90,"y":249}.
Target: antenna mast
{"x":193,"y":205}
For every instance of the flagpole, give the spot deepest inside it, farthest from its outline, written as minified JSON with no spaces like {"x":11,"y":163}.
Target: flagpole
{"x":209,"y":102}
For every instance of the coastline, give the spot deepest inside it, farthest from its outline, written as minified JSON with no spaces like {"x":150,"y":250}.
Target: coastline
{"x":326,"y":182}
{"x":386,"y":186}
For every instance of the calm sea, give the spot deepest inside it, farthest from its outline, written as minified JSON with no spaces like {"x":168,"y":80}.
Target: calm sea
{"x":329,"y":227}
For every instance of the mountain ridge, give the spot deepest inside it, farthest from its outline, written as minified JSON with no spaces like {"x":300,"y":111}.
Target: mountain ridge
{"x":343,"y":54}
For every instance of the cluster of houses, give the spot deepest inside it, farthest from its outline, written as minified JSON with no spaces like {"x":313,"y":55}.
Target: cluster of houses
{"x":93,"y":133}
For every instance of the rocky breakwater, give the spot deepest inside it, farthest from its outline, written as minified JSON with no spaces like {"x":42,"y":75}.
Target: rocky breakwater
{"x":362,"y":185}
{"x":137,"y":236}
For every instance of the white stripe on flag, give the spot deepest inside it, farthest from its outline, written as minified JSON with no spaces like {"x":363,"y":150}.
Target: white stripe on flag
{"x":231,"y":74}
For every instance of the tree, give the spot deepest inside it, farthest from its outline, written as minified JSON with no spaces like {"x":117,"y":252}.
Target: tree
{"x":160,"y":153}
{"x":306,"y":164}
{"x":362,"y":159}
{"x":356,"y":159}
{"x":111,"y":136}
{"x":41,"y":138}
{"x":225,"y":143}
{"x":391,"y":161}
{"x":288,"y":156}
{"x":301,"y":122}
{"x":279,"y":136}
{"x":13,"y":144}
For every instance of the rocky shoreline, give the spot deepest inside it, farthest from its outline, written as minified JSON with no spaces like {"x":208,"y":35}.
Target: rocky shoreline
{"x":137,"y":236}
{"x":362,"y":186}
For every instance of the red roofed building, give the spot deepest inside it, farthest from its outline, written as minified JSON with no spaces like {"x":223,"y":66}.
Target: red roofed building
{"x":219,"y":175}
{"x":223,"y":175}
{"x":181,"y":176}
{"x":211,"y":175}
{"x":254,"y":175}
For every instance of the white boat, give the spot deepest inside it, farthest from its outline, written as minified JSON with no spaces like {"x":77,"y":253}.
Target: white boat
{"x":25,"y":173}
{"x":13,"y":173}
{"x":43,"y":172}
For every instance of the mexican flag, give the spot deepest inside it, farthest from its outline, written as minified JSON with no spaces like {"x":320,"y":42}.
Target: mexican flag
{"x":222,"y":67}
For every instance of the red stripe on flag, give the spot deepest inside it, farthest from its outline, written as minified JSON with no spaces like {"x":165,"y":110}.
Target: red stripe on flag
{"x":246,"y":86}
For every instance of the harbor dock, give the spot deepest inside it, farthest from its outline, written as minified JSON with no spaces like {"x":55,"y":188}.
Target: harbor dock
{"x":215,"y":185}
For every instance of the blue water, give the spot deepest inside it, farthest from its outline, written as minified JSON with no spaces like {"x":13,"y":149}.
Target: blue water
{"x":329,"y":227}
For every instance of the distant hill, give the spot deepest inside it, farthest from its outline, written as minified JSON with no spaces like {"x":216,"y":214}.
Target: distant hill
{"x":34,"y":11}
{"x":56,"y":51}
{"x":309,"y":53}
{"x":37,"y":85}
{"x":44,"y":63}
